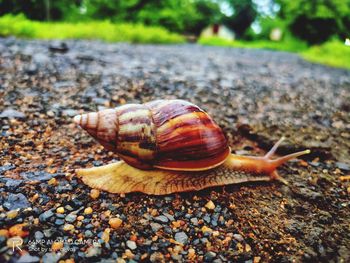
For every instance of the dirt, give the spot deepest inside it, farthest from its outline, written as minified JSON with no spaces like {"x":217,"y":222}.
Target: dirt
{"x":256,"y":96}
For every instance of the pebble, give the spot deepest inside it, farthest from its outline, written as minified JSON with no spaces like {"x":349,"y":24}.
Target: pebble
{"x":60,"y":210}
{"x":115,"y":222}
{"x":70,"y":218}
{"x":70,"y":112}
{"x":68,"y":227}
{"x":51,"y":257}
{"x":210,"y":205}
{"x":40,"y":58}
{"x":128,"y":254}
{"x":206,"y":229}
{"x":15,"y":201}
{"x":94,"y":194}
{"x":194,"y":221}
{"x":27,"y":258}
{"x":106,"y":235}
{"x":46,"y":215}
{"x":12,"y":114}
{"x":161,"y":219}
{"x":157,"y":257}
{"x":60,"y":47}
{"x":11,"y":214}
{"x":6,"y":167}
{"x":93,"y":252}
{"x":4,"y":233}
{"x":191,"y":254}
{"x":209,"y":256}
{"x":40,"y":176}
{"x":17,"y":230}
{"x":131,"y":244}
{"x":57,"y":245}
{"x":155,"y":227}
{"x":343,"y":166}
{"x":59,"y":222}
{"x":88,"y":233}
{"x":88,"y":211}
{"x":238,"y":237}
{"x":12,"y":184}
{"x":52,"y":181}
{"x":38,"y":235}
{"x":169,"y":216}
{"x":181,"y":237}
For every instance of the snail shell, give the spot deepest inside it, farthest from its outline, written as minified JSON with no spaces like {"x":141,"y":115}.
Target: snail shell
{"x":169,"y":146}
{"x":166,"y":134}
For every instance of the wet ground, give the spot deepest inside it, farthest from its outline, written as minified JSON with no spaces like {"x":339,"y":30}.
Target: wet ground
{"x":255,"y":96}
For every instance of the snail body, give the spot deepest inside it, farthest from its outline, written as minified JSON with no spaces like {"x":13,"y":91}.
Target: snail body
{"x":168,"y":146}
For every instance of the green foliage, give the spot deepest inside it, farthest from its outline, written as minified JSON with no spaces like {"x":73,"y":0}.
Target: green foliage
{"x":316,"y":21}
{"x":333,"y":53}
{"x":40,"y":9}
{"x":176,"y":15}
{"x":104,"y":30}
{"x":244,"y":15}
{"x":185,"y":16}
{"x":291,"y":46}
{"x":268,"y":24}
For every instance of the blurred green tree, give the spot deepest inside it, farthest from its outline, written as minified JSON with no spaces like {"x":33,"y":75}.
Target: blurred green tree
{"x":183,"y":16}
{"x":316,"y":21}
{"x":40,"y":9}
{"x":244,"y":14}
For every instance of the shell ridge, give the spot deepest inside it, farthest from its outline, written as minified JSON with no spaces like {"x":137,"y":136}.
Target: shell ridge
{"x":154,"y":130}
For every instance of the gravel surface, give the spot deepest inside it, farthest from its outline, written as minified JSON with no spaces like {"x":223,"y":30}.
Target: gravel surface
{"x":255,"y":96}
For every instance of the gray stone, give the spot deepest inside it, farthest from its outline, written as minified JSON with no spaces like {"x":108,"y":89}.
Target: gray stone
{"x":343,"y":166}
{"x":131,"y":244}
{"x":194,"y":221}
{"x":51,"y":257}
{"x":209,"y":256}
{"x":88,"y":233}
{"x":46,"y":215}
{"x":15,"y":201}
{"x":71,"y":218}
{"x":12,"y":184}
{"x":155,"y":226}
{"x":37,"y":176}
{"x":38,"y":235}
{"x":40,"y":58}
{"x":181,"y":237}
{"x":7,"y":167}
{"x":27,"y":258}
{"x":238,"y":237}
{"x":70,"y":112}
{"x":161,"y":219}
{"x":93,"y":252}
{"x":12,"y":114}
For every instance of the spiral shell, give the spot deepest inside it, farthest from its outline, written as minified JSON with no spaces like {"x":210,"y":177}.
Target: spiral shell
{"x":167,"y":134}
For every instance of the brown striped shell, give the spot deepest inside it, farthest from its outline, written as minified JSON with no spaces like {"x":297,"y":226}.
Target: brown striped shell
{"x":167,"y":134}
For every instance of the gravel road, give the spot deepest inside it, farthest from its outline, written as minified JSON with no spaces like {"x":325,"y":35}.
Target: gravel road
{"x":256,"y":96}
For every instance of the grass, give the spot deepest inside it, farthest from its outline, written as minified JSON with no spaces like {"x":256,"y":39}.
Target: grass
{"x":333,"y":53}
{"x":104,"y":30}
{"x":291,"y":46}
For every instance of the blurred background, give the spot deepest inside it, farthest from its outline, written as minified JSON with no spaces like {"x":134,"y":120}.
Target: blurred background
{"x":316,"y":29}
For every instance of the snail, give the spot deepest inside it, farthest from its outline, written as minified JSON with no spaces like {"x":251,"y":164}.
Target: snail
{"x":169,"y":146}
